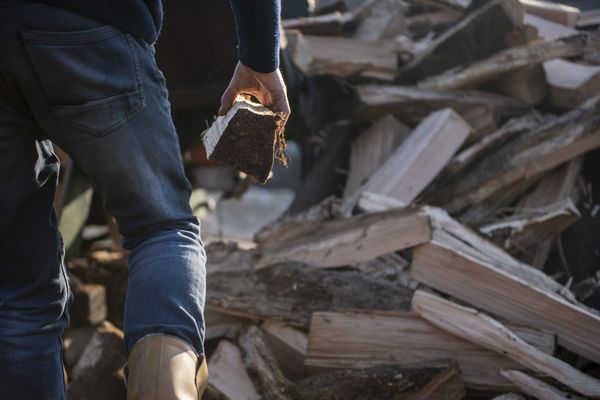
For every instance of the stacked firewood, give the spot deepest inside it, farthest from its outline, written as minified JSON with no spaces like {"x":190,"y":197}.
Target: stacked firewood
{"x":464,"y":127}
{"x":457,"y":129}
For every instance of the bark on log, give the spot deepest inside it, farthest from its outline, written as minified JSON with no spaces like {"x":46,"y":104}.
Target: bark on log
{"x":292,"y":292}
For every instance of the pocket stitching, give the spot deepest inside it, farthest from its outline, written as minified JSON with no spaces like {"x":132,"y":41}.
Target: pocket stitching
{"x":102,"y":33}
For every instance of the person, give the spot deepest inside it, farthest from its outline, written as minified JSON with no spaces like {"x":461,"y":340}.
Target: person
{"x":82,"y":74}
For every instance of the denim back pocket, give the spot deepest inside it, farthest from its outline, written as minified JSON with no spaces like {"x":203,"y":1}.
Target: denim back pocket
{"x":90,"y":79}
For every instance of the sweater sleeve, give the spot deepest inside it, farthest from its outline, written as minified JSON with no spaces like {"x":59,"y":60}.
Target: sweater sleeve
{"x":257,"y":24}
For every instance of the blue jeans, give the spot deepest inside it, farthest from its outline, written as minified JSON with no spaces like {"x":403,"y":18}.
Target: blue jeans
{"x":98,"y":94}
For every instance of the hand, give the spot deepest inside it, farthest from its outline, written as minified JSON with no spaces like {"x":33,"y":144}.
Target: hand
{"x":269,"y":89}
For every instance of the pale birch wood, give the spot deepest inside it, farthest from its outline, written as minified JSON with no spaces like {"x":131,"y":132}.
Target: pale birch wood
{"x":348,"y":240}
{"x":466,"y":277}
{"x":536,"y":388}
{"x":289,"y":346}
{"x":362,"y":339}
{"x":372,"y":148}
{"x":228,"y":376}
{"x":481,"y":329}
{"x":343,"y":57}
{"x":416,"y":162}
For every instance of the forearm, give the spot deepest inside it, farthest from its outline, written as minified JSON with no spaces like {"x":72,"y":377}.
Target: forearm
{"x":257,"y":23}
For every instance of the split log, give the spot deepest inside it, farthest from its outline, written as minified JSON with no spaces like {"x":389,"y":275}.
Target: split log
{"x":449,"y":231}
{"x":343,"y":57}
{"x":348,"y":241}
{"x":292,"y":292}
{"x":247,"y":138}
{"x":372,"y":148}
{"x":514,"y":296}
{"x":288,"y":345}
{"x":561,"y":13}
{"x":510,"y":60}
{"x":98,"y":375}
{"x":411,"y":105}
{"x":527,"y":84}
{"x":228,"y":377}
{"x":537,"y":388}
{"x":228,"y":256}
{"x":384,"y":19}
{"x":478,"y":35}
{"x":530,"y":227}
{"x":506,"y":132}
{"x":262,"y":365}
{"x":326,"y":210}
{"x":363,"y":339}
{"x":483,"y":330}
{"x":89,"y":305}
{"x":557,"y":186}
{"x":547,"y":29}
{"x":531,"y":154}
{"x":326,"y":24}
{"x":571,"y":83}
{"x":432,"y":381}
{"x":422,"y":155}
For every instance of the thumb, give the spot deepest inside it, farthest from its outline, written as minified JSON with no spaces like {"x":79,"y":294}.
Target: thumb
{"x":227,"y":100}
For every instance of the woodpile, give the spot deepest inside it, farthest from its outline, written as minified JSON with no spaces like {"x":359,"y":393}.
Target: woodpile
{"x":444,"y":157}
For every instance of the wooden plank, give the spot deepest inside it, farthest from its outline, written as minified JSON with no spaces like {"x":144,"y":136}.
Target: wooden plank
{"x":422,"y":155}
{"x":228,"y":376}
{"x":537,"y":388}
{"x":362,"y":339}
{"x":483,"y":330}
{"x":288,"y":345}
{"x":537,"y":151}
{"x":411,"y":105}
{"x":343,"y":57}
{"x":292,"y":292}
{"x":477,"y":35}
{"x":506,"y":294}
{"x":439,"y":381}
{"x":570,"y":83}
{"x":372,"y":148}
{"x":557,"y":12}
{"x":349,"y":240}
{"x":510,"y":60}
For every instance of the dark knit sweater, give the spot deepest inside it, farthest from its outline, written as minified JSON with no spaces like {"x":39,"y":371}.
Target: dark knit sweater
{"x":257,"y":23}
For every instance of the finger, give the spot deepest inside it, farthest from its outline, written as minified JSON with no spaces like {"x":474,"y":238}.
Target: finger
{"x":227,"y":100}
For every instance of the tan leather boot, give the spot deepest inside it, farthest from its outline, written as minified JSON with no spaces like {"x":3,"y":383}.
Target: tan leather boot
{"x":163,"y":367}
